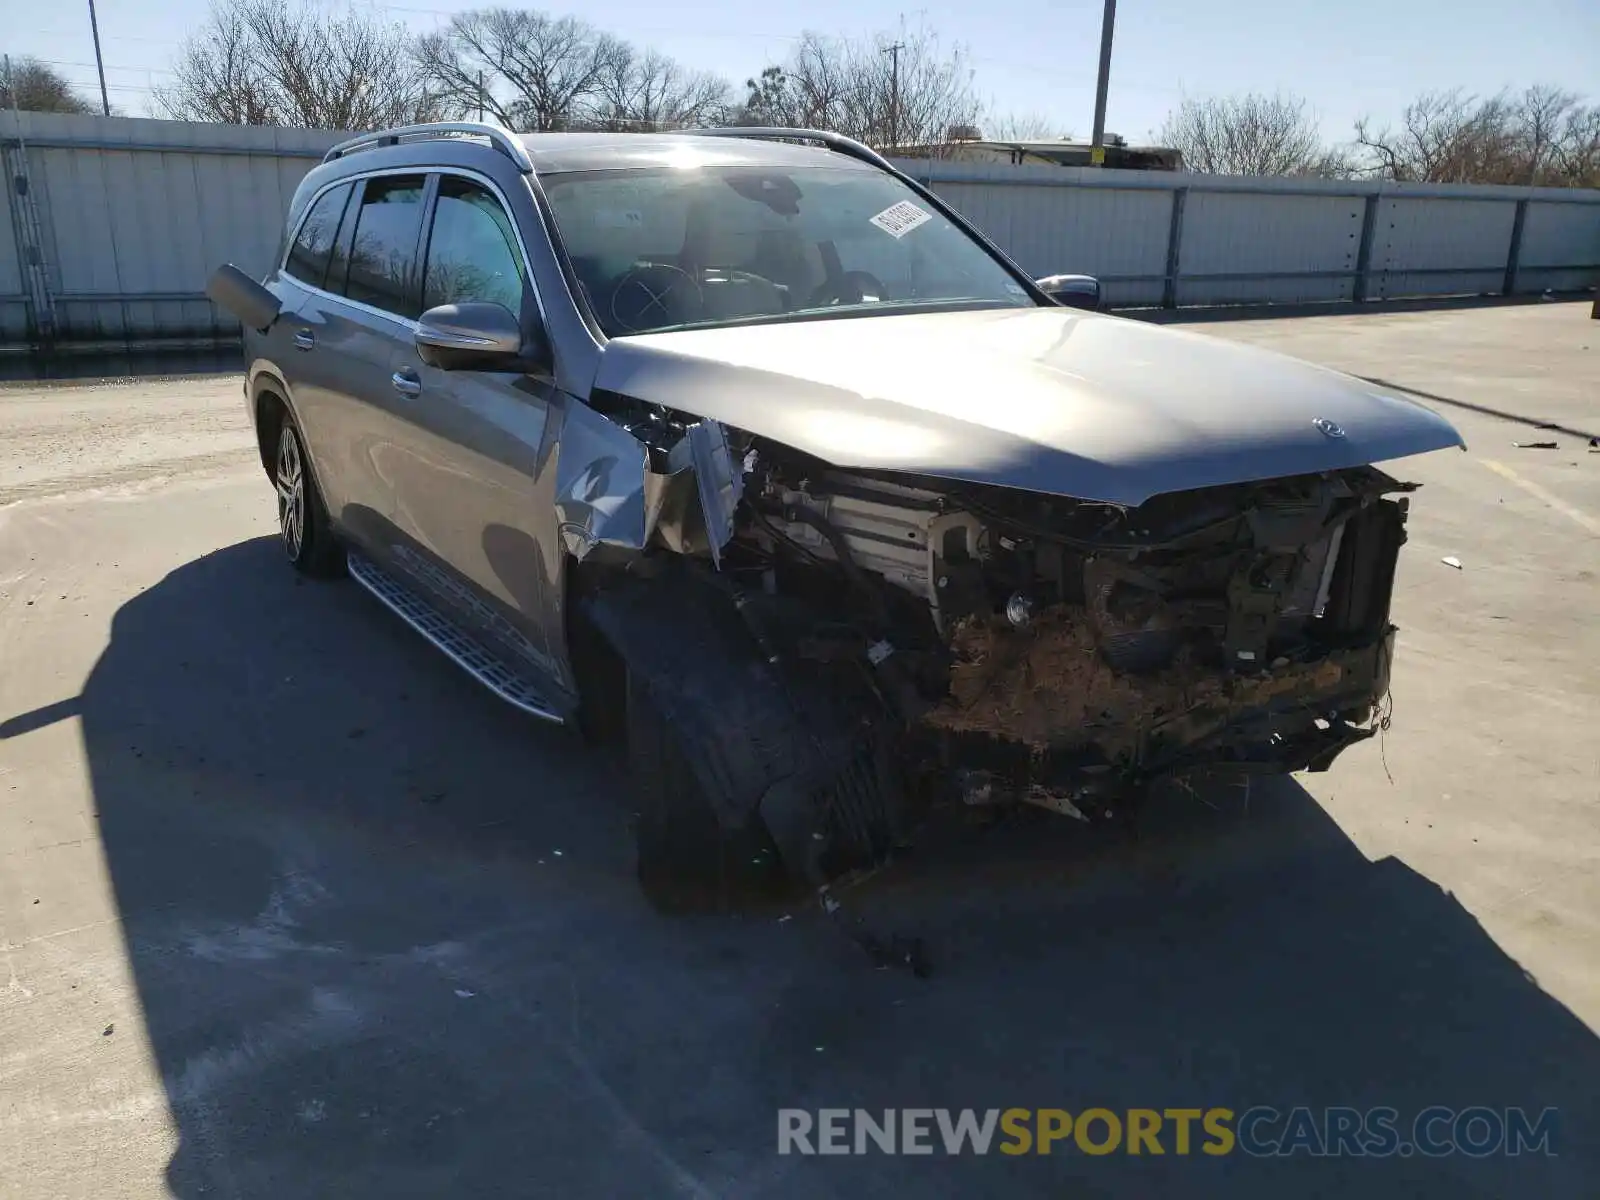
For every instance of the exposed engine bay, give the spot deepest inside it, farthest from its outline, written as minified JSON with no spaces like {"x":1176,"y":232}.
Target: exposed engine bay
{"x":934,"y":639}
{"x":1064,"y":639}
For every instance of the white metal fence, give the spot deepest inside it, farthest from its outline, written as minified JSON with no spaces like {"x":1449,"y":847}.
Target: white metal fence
{"x":110,"y":226}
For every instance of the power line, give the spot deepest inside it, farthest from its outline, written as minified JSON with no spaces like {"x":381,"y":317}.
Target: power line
{"x":121,"y":37}
{"x":64,"y":62}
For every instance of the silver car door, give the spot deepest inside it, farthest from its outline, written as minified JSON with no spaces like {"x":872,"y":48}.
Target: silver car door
{"x":472,"y":492}
{"x":282,"y":351}
{"x":346,"y":335}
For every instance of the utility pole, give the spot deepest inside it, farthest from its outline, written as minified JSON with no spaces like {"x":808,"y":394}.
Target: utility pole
{"x":893,"y":51}
{"x":1097,"y":146}
{"x":480,"y":95}
{"x":94,"y":27}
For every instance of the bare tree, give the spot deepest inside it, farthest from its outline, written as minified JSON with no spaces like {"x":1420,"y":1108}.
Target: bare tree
{"x":530,"y":70}
{"x":929,"y":94}
{"x":649,"y":91}
{"x":820,"y":73}
{"x":34,"y":87}
{"x":1333,"y":162}
{"x":811,"y":90}
{"x":1540,"y":114}
{"x":258,"y":62}
{"x":767,"y":100}
{"x":905,"y":89}
{"x":1575,"y":158}
{"x":1444,"y":137}
{"x":1250,"y":134}
{"x":1544,"y":136}
{"x":219,"y":76}
{"x":1023,"y":127}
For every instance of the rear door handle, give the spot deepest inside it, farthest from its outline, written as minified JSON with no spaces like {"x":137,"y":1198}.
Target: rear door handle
{"x":406,"y":383}
{"x":303,"y":340}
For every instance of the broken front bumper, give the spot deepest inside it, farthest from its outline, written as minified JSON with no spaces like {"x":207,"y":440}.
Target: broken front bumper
{"x":1299,"y":717}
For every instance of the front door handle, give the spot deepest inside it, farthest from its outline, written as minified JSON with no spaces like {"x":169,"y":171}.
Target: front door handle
{"x":406,"y":383}
{"x":303,"y":340}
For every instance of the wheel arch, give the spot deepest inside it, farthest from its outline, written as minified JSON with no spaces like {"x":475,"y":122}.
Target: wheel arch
{"x":269,"y":401}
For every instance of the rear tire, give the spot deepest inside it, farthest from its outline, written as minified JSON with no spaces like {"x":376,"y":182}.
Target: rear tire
{"x":303,"y":525}
{"x":689,"y":863}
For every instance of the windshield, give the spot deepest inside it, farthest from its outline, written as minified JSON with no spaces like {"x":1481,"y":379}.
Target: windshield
{"x":670,"y":248}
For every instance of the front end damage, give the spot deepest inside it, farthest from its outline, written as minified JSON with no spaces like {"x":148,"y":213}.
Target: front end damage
{"x":838,"y":650}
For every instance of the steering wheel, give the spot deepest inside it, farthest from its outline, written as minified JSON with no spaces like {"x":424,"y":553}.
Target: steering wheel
{"x":852,"y":287}
{"x":651,"y":295}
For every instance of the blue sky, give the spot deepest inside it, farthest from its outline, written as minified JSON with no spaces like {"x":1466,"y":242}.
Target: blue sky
{"x":1348,"y":59}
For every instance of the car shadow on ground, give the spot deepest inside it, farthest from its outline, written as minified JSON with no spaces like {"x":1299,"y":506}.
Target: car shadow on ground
{"x":387,"y":943}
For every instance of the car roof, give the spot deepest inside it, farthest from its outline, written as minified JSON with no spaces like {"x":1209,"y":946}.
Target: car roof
{"x":557,"y":152}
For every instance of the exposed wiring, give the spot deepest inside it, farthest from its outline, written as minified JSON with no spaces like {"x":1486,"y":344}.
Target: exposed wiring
{"x":1385,"y":714}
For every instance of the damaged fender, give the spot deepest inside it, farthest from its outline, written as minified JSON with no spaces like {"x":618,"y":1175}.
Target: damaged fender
{"x":613,"y":492}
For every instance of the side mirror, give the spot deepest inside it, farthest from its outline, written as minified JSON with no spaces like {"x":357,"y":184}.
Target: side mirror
{"x":235,"y":292}
{"x":1072,"y":291}
{"x":474,"y":335}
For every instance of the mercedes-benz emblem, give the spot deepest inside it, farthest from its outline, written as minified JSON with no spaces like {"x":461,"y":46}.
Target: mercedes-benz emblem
{"x":1328,"y":427}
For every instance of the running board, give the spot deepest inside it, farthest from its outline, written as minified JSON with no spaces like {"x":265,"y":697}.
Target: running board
{"x":488,"y":668}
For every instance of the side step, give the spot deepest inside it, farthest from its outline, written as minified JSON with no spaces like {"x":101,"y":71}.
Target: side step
{"x":511,"y":685}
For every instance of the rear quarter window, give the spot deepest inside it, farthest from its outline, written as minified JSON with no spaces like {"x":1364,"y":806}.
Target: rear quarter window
{"x":308,"y":256}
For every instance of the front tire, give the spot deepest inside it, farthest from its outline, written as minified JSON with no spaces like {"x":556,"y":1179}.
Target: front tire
{"x":689,"y":863}
{"x":303,"y":525}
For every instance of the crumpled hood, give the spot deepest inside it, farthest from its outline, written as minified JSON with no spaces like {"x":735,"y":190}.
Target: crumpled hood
{"x":1048,"y":400}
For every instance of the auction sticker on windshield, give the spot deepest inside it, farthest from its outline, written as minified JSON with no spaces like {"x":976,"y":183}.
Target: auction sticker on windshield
{"x":900,"y":219}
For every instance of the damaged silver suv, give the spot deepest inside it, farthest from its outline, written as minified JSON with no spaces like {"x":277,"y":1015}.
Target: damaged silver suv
{"x":747,"y":449}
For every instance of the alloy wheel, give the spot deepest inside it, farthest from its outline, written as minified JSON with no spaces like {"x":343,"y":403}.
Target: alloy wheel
{"x":291,"y":482}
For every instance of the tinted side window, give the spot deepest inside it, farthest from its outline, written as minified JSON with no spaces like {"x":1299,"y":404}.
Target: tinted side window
{"x":384,"y":253}
{"x":473,"y":252}
{"x":339,"y":260}
{"x":308,"y":257}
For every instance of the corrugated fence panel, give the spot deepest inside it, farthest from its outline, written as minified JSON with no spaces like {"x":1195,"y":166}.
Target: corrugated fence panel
{"x":13,"y":307}
{"x":71,"y":188}
{"x":1560,"y":247}
{"x":137,"y":213}
{"x":1307,"y":244}
{"x":10,"y":268}
{"x":1428,"y":246}
{"x":1115,"y":234}
{"x":149,"y":227}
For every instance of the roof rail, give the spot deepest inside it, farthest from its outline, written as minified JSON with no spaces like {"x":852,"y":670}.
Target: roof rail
{"x":775,"y":133}
{"x":501,"y":139}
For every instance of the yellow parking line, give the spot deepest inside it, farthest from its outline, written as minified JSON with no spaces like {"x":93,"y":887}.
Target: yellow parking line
{"x":1534,"y":490}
